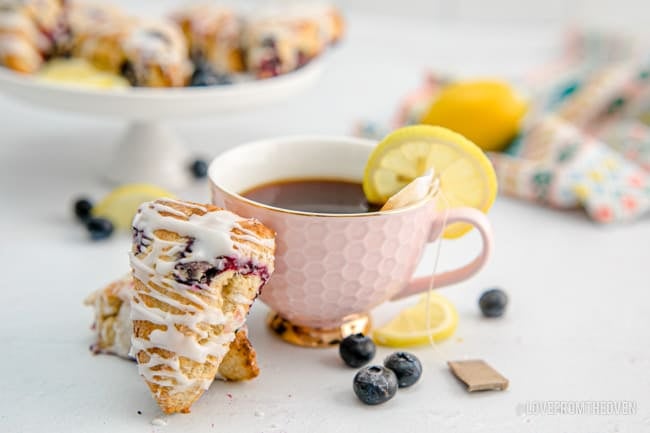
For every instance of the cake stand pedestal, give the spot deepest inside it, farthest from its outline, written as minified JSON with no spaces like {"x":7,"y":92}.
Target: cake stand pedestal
{"x":150,"y":151}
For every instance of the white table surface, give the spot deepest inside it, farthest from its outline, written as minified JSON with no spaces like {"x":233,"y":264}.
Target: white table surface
{"x":577,"y":327}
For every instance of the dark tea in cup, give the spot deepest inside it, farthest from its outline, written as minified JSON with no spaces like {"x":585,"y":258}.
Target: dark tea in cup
{"x":336,"y":196}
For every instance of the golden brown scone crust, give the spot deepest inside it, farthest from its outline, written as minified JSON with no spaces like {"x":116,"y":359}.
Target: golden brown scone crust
{"x":176,"y":380}
{"x":240,"y":363}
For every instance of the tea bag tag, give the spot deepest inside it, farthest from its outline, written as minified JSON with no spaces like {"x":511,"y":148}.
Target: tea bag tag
{"x":478,"y":375}
{"x":417,"y":190}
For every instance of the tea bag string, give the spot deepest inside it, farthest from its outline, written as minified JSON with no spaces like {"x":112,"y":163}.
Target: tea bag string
{"x":432,"y":281}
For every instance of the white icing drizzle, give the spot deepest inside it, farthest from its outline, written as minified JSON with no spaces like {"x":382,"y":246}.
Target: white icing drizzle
{"x":212,"y":241}
{"x":208,"y":18}
{"x":320,"y":13}
{"x":145,"y":47}
{"x":214,"y":32}
{"x":20,"y":36}
{"x":95,"y":18}
{"x":13,"y":45}
{"x":16,"y":21}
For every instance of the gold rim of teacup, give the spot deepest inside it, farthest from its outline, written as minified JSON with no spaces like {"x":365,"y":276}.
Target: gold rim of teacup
{"x":307,"y":336}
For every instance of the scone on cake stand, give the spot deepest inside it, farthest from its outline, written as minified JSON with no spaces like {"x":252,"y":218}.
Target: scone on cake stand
{"x":150,"y":151}
{"x":199,"y":45}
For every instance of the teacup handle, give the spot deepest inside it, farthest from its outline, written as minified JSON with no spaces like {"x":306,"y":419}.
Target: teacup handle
{"x":482,"y":224}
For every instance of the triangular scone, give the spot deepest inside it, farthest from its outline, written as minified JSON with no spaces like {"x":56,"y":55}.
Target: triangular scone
{"x":197,"y":269}
{"x":112,"y":305}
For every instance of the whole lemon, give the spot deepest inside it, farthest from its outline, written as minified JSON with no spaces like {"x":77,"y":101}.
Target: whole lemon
{"x":488,"y":112}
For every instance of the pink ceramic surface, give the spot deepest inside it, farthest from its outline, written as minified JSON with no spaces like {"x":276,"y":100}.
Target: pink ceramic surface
{"x":330,"y":267}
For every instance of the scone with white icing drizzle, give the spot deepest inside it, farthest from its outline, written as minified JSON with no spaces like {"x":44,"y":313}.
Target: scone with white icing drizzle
{"x":213,"y":33}
{"x":113,"y":327}
{"x":96,"y":33}
{"x":156,"y":55}
{"x":197,"y":270}
{"x":28,"y":32}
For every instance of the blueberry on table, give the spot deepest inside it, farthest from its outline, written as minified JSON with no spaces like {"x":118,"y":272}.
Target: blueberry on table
{"x":375,"y":384}
{"x":493,"y":302}
{"x":357,"y":350}
{"x":82,"y":209}
{"x":406,"y":366}
{"x":99,"y":228}
{"x":199,"y":169}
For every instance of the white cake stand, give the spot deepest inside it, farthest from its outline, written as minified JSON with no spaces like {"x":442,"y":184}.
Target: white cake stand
{"x":150,"y":151}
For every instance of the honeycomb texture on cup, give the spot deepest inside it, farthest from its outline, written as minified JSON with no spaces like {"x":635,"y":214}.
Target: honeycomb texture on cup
{"x":329,"y":268}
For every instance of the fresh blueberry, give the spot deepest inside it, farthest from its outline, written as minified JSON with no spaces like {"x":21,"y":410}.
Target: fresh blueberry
{"x":99,"y":228}
{"x":199,"y":169}
{"x":195,"y":272}
{"x":205,"y":75}
{"x":493,"y":302}
{"x":375,"y":384}
{"x":406,"y":366}
{"x":357,"y":350}
{"x":82,"y":208}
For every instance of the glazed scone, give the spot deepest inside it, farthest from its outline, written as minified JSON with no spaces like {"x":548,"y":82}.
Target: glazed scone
{"x":197,"y":270}
{"x":271,"y":49}
{"x":280,"y":39}
{"x":113,"y":327}
{"x":28,"y":32}
{"x":240,"y":363}
{"x":326,"y":18}
{"x":332,"y":23}
{"x":96,"y":32}
{"x":213,"y":34}
{"x":113,"y":317}
{"x":156,"y":55}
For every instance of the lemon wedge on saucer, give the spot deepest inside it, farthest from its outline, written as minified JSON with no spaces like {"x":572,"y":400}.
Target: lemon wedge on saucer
{"x":409,"y":328}
{"x":121,"y":204}
{"x":466,"y":175}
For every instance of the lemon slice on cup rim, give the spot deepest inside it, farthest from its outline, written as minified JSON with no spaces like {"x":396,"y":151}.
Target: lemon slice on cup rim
{"x":121,"y":204}
{"x":466,"y":176}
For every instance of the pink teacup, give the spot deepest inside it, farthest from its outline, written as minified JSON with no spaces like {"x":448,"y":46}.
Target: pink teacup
{"x":331,"y":269}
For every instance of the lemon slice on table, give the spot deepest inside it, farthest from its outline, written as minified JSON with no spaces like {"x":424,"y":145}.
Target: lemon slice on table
{"x":409,"y":328}
{"x":466,"y":175}
{"x":121,"y":204}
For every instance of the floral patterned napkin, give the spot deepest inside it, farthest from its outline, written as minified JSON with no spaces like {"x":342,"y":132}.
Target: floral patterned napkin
{"x":586,"y":140}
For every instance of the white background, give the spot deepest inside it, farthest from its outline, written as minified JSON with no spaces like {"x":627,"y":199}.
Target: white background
{"x":621,"y":14}
{"x":609,"y":13}
{"x":577,"y":327}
